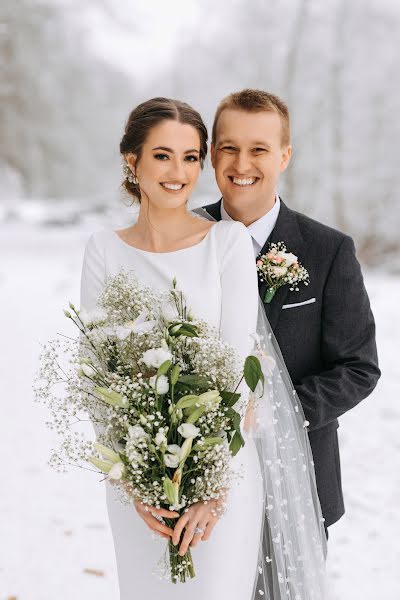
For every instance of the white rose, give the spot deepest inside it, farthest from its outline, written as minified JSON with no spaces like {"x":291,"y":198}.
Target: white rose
{"x":290,"y":258}
{"x":160,"y":438}
{"x":156,"y":357}
{"x":137,"y":433}
{"x":188,"y":430}
{"x":171,"y":460}
{"x":279,"y":271}
{"x":117,"y":471}
{"x":162,"y":384}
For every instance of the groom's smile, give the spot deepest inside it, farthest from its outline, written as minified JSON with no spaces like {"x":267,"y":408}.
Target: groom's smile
{"x":243,"y":181}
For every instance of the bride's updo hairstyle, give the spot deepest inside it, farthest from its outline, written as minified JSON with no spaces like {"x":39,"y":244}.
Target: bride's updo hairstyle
{"x":148,"y":115}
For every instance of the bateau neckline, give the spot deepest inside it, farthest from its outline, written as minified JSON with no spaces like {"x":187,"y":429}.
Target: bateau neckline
{"x":205,"y":238}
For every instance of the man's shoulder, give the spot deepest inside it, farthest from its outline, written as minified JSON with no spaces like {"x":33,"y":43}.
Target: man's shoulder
{"x":319,"y":234}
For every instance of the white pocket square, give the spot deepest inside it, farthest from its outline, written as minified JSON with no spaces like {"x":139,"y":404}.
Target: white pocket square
{"x":310,"y":301}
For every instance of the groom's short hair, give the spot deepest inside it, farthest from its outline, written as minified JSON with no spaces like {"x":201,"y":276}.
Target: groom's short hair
{"x":250,"y":100}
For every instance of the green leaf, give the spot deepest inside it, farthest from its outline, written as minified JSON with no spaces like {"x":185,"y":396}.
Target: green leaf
{"x":212,"y":441}
{"x":252,"y":372}
{"x":229,"y":398}
{"x":186,"y":333}
{"x":175,"y":374}
{"x":195,"y":381}
{"x":237,"y":442}
{"x":163,"y":369}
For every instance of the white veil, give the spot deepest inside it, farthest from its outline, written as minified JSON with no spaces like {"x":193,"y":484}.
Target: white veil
{"x":292,"y":548}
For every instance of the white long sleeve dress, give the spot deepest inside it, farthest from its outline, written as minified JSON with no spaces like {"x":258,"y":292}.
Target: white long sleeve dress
{"x":218,"y":277}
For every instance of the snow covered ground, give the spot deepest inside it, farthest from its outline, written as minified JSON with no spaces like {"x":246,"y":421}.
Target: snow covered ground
{"x":55,"y":542}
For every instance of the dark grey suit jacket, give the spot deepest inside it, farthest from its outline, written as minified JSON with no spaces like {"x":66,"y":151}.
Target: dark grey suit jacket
{"x":328,"y":344}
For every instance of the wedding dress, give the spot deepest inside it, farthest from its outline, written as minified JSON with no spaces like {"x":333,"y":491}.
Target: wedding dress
{"x":219,"y":280}
{"x":221,"y":288}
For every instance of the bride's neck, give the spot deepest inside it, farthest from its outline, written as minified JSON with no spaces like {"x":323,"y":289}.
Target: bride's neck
{"x":159,"y":228}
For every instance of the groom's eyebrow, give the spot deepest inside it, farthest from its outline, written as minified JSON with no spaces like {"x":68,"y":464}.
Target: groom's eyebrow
{"x":172,"y":152}
{"x":257,"y":143}
{"x":261,"y":144}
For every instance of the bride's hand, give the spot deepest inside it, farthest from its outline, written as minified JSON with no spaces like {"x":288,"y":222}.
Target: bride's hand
{"x":204,"y":516}
{"x":147,"y":514}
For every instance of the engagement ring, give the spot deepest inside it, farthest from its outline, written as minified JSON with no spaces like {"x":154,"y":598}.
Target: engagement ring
{"x":199,"y":530}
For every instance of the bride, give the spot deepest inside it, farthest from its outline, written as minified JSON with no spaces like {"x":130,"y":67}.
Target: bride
{"x":164,"y":147}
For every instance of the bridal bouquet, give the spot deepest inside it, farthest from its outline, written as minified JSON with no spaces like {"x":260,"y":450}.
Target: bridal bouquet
{"x":160,"y":388}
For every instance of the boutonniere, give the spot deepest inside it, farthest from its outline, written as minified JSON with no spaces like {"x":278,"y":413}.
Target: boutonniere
{"x":279,"y":267}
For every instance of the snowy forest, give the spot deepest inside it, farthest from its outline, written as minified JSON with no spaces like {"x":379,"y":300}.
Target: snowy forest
{"x":72,"y":70}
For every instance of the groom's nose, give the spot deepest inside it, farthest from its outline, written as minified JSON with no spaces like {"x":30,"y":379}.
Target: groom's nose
{"x":242,"y":163}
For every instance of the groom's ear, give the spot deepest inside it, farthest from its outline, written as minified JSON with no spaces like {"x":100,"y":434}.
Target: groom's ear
{"x":286,"y":154}
{"x":212,"y":155}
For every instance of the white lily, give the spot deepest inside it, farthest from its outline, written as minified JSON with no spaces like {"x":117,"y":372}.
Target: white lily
{"x":140,"y":325}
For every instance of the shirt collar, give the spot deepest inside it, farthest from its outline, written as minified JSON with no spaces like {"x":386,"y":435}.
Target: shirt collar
{"x":261,"y":229}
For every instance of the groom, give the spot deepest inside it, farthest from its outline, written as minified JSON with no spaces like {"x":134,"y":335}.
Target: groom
{"x":326,"y":331}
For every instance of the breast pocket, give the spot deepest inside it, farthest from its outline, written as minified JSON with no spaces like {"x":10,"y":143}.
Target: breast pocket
{"x":298,"y":304}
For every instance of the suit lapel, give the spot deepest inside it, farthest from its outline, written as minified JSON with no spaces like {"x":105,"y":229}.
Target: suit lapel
{"x":286,"y":230}
{"x":214,"y":210}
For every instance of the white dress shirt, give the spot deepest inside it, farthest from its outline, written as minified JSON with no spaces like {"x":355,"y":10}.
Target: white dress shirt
{"x":261,"y":229}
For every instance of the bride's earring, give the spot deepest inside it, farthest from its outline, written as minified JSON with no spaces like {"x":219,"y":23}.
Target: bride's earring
{"x":129,"y":174}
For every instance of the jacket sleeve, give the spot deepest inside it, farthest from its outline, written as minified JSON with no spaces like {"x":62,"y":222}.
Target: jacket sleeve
{"x":348,"y":344}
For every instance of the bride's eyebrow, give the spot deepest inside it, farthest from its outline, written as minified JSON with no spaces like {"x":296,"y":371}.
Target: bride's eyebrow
{"x":172,"y":152}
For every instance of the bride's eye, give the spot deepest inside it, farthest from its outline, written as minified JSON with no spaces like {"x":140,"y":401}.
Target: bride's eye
{"x":191,"y":158}
{"x":161,"y":156}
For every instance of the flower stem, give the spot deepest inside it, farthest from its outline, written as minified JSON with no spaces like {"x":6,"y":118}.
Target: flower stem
{"x":269,"y":294}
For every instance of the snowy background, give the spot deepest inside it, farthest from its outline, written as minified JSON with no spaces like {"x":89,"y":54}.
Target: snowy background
{"x":72,"y":72}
